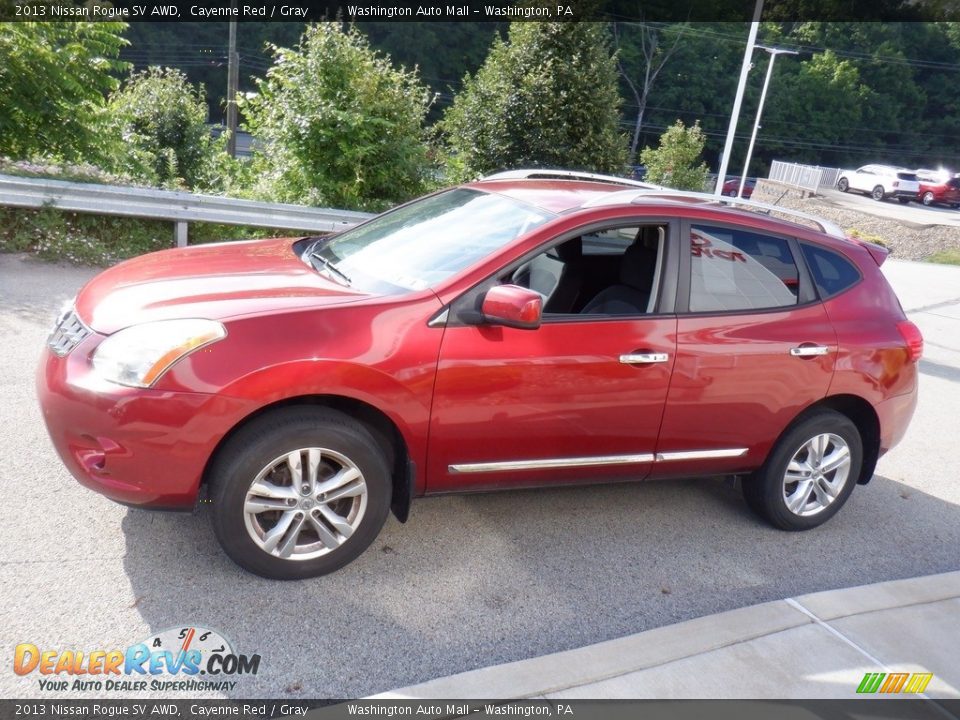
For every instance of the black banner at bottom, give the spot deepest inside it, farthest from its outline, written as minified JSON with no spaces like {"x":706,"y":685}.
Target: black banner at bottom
{"x":881,"y":709}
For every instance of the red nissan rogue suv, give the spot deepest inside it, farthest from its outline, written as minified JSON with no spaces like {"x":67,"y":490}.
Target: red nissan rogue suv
{"x":526,"y":330}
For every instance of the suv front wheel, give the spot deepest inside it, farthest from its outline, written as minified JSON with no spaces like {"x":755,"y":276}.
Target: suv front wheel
{"x":877,"y":193}
{"x":809,"y":474}
{"x":299,"y":492}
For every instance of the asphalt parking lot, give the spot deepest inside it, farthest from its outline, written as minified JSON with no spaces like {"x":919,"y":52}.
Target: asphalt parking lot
{"x":914,"y":213}
{"x":469,"y":581}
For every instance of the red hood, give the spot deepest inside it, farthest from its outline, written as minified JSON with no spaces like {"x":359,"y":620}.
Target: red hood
{"x":208,"y":281}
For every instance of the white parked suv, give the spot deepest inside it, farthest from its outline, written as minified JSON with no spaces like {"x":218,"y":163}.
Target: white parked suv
{"x":880,"y":182}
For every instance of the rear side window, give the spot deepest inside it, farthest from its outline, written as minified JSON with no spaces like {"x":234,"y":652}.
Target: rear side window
{"x":907,"y":176}
{"x":732,"y":269}
{"x":832,"y":273}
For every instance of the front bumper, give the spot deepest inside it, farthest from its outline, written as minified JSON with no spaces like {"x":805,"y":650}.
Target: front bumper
{"x":137,"y":446}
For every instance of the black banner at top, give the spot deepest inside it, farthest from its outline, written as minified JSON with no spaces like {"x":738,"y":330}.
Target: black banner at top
{"x":478,"y":10}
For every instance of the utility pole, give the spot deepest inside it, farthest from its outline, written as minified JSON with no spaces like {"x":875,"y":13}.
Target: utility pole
{"x":763,"y":96}
{"x":738,"y":100}
{"x":233,"y":72}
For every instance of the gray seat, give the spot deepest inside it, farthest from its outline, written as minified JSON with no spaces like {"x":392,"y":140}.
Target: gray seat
{"x":632,"y":295}
{"x":557,"y":275}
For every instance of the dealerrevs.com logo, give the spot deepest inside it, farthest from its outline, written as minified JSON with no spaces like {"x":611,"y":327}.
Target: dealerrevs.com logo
{"x":189,"y":659}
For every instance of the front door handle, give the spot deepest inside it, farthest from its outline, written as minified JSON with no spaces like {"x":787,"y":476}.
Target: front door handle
{"x":643,"y":358}
{"x":809,"y":350}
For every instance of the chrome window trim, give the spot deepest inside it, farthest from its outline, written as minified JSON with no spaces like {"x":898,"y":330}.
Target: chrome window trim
{"x":440,"y":319}
{"x":591,"y":461}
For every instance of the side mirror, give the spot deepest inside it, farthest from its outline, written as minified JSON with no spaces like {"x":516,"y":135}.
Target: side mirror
{"x":512,"y":306}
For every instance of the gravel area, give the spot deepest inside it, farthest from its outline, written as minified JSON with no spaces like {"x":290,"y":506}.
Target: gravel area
{"x":906,"y":240}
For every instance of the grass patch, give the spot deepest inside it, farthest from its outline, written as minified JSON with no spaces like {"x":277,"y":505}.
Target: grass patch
{"x":102,"y":240}
{"x":868,"y":237}
{"x":946,"y":257}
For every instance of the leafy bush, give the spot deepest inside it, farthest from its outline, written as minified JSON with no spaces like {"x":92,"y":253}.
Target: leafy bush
{"x":546,"y":97}
{"x":70,"y":172}
{"x":338,"y":125}
{"x":100,"y":240}
{"x":53,"y":78}
{"x":676,"y":163}
{"x":161,"y":122}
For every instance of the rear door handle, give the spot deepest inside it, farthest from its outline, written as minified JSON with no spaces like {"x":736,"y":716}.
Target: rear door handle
{"x":809,"y":350}
{"x":643,"y":358}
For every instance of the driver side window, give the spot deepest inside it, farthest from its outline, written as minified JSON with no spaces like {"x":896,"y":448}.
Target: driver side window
{"x":609,"y":272}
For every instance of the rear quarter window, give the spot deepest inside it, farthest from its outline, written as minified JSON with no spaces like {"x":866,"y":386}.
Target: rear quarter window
{"x":832,"y":273}
{"x":735,"y":270}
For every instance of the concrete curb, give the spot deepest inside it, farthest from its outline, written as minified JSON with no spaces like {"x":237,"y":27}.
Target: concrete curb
{"x":595,"y":663}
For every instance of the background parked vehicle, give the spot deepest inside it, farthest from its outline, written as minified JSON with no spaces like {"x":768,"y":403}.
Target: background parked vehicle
{"x":881,"y":182}
{"x":731,"y":186}
{"x":939,"y":187}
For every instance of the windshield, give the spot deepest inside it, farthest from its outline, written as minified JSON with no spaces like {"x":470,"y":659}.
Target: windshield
{"x":421,"y":244}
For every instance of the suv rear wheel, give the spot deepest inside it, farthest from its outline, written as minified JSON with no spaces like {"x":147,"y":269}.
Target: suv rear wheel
{"x":843,"y":185}
{"x":809,"y":474}
{"x":877,"y":193}
{"x":299,"y":492}
{"x":928,"y":198}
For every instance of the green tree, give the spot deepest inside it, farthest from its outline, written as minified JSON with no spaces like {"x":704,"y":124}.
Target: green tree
{"x":676,"y":163}
{"x":818,"y":102}
{"x":53,"y":79}
{"x":161,"y":122}
{"x":547,"y":96}
{"x":338,"y":125}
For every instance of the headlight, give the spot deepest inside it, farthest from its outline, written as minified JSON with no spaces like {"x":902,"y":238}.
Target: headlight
{"x":139,"y":355}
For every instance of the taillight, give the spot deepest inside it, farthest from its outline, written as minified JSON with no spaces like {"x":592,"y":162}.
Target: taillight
{"x":913,"y":338}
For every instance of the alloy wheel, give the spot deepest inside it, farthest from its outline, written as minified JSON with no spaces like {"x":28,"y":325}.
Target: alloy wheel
{"x":305,"y":504}
{"x":816,"y":474}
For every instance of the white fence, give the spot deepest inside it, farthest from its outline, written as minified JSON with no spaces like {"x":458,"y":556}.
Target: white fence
{"x":805,"y":177}
{"x":177,"y":207}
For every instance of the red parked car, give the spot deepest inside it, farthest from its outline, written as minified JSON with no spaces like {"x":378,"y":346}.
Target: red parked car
{"x":514,"y":332}
{"x":732,"y":186}
{"x":938,"y":188}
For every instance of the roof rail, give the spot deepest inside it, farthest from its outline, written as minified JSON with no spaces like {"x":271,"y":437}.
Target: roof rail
{"x":637,"y":196}
{"x":548,"y":174}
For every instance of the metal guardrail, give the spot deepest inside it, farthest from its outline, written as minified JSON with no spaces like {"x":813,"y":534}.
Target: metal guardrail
{"x":805,"y":177}
{"x":179,"y":208}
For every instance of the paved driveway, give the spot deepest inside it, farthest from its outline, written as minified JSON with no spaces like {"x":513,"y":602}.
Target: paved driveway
{"x":469,"y":581}
{"x":913,"y":213}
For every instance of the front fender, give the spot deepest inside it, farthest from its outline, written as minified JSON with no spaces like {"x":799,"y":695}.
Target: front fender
{"x":407,"y":406}
{"x":383,"y":355}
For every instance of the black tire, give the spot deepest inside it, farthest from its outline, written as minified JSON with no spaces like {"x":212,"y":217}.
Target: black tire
{"x":764,"y":491}
{"x":266,"y":439}
{"x":843,"y":184}
{"x":732,"y":193}
{"x":877,"y":193}
{"x":928,"y":198}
